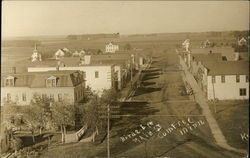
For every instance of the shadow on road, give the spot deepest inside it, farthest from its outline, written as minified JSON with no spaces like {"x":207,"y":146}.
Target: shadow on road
{"x":143,"y":90}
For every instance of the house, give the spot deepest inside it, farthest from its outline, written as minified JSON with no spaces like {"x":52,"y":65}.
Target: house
{"x":242,"y":42}
{"x":224,"y":80}
{"x":122,"y":68}
{"x":111,"y":47}
{"x":79,"y":54}
{"x":206,"y":44}
{"x":20,"y":88}
{"x":60,"y":53}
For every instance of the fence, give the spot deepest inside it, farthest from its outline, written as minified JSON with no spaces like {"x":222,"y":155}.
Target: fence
{"x":75,"y":137}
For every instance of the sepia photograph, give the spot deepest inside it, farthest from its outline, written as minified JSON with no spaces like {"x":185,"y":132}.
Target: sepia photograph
{"x":124,"y":79}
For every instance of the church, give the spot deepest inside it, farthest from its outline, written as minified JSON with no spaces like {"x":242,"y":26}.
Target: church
{"x":36,"y":56}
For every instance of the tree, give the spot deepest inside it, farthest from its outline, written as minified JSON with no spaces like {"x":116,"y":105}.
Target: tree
{"x":96,"y":104}
{"x":63,"y":114}
{"x":37,"y":114}
{"x":127,"y":47}
{"x":35,"y":119}
{"x":99,"y":51}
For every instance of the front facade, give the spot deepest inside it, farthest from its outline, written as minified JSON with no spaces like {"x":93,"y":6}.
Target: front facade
{"x":97,"y":77}
{"x":59,"y":54}
{"x":111,"y":47}
{"x":226,"y":87}
{"x":226,"y":80}
{"x":57,"y":86}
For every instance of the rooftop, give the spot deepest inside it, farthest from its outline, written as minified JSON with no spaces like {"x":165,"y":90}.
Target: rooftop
{"x":37,"y":79}
{"x":227,"y":67}
{"x":207,"y":57}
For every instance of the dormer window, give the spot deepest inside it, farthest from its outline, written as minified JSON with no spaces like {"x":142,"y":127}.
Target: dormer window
{"x":9,"y":81}
{"x":51,"y":81}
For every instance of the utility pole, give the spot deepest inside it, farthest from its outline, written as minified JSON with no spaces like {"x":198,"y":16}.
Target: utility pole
{"x":131,"y":72}
{"x":108,"y":150}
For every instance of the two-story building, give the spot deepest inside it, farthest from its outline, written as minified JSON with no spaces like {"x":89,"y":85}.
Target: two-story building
{"x":224,"y":80}
{"x":111,"y":47}
{"x":97,"y":76}
{"x":56,"y":85}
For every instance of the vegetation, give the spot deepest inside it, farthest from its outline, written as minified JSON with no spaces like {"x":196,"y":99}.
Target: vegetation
{"x":127,"y":47}
{"x":63,"y":115}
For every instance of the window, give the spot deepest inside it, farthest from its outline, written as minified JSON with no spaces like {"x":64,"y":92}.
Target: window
{"x":223,"y":79}
{"x":9,"y":82}
{"x":243,"y":92}
{"x":96,"y":74}
{"x":51,"y":82}
{"x":24,"y":96}
{"x":51,"y":97}
{"x":8,"y":97}
{"x":237,"y":78}
{"x":76,"y":95}
{"x":213,"y":79}
{"x":59,"y":97}
{"x":247,"y":79}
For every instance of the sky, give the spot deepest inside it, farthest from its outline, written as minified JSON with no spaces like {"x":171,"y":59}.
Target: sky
{"x":34,"y":18}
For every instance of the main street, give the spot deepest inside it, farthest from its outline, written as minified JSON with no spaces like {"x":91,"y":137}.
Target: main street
{"x":160,"y":101}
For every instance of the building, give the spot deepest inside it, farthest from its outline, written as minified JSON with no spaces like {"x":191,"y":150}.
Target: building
{"x":242,"y":42}
{"x":60,"y":53}
{"x":111,"y":47}
{"x":196,"y":60}
{"x":56,"y":85}
{"x":219,"y":79}
{"x":123,"y":67}
{"x":36,"y":56}
{"x":97,"y":76}
{"x":225,"y":80}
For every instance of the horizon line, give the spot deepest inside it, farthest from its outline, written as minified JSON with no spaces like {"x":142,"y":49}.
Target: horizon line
{"x":125,"y":34}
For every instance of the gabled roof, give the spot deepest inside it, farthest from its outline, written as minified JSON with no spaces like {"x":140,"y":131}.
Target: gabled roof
{"x":207,"y":57}
{"x":114,"y":43}
{"x":227,"y":67}
{"x":71,"y":61}
{"x":38,"y":79}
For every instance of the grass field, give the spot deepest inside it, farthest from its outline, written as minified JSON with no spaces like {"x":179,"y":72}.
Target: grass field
{"x":233,"y":120}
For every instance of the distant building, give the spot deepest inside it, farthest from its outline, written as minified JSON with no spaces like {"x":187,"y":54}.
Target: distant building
{"x":112,"y":47}
{"x":242,"y":42}
{"x":206,"y":44}
{"x":60,"y":53}
{"x":36,"y":56}
{"x":56,"y":85}
{"x":79,"y":54}
{"x":186,"y":45}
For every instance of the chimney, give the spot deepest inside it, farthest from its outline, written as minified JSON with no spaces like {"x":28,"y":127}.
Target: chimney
{"x":13,"y":70}
{"x":236,"y":56}
{"x":58,"y":65}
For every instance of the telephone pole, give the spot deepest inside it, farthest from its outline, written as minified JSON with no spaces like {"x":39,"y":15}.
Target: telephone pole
{"x":108,"y":149}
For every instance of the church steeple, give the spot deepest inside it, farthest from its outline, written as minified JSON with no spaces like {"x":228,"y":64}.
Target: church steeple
{"x":36,"y":56}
